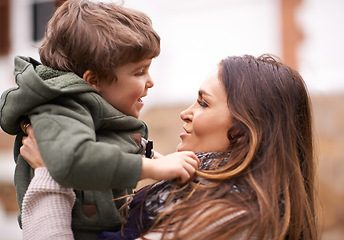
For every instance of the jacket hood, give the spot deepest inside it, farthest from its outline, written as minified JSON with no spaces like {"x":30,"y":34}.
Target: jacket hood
{"x":37,"y":85}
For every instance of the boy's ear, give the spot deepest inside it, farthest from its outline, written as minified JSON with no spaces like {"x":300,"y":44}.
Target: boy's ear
{"x":92,"y":79}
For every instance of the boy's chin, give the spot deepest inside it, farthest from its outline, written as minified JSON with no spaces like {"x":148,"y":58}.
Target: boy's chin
{"x":134,"y":114}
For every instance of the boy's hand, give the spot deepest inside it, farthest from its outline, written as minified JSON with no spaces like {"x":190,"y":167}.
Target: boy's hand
{"x":157,"y":155}
{"x":29,"y":150}
{"x":180,"y":165}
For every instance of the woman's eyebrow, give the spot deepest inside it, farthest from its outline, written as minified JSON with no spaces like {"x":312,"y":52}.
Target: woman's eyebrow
{"x":202,"y":92}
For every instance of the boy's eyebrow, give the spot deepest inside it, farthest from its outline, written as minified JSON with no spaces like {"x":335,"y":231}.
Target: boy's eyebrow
{"x":143,"y":65}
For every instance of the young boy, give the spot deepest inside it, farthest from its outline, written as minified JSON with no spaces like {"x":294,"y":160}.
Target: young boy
{"x":84,"y":102}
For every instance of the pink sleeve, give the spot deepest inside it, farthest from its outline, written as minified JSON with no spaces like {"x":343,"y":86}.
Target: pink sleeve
{"x":47,"y":209}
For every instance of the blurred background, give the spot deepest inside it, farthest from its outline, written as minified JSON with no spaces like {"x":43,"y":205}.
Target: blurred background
{"x":195,"y":35}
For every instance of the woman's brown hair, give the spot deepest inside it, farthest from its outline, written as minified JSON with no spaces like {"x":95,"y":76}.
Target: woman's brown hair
{"x":84,"y":35}
{"x":267,"y":189}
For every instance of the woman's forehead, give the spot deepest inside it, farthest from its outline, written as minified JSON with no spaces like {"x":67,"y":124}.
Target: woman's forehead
{"x":211,"y":86}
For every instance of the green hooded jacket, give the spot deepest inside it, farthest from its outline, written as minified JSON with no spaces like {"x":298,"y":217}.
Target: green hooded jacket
{"x":85,"y":143}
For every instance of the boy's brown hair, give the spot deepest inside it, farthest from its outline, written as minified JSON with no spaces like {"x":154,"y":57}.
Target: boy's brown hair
{"x":84,"y":35}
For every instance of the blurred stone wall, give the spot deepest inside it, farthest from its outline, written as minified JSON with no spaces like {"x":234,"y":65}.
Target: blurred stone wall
{"x":329,"y":124}
{"x":165,"y":126}
{"x":7,"y":192}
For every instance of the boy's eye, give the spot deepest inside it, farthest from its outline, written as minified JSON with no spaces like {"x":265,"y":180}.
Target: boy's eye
{"x":202,"y":103}
{"x":140,"y":73}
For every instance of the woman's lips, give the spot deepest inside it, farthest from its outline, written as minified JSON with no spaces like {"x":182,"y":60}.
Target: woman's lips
{"x":183,"y":134}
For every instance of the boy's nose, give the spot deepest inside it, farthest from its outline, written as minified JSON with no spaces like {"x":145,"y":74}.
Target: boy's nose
{"x":149,"y":82}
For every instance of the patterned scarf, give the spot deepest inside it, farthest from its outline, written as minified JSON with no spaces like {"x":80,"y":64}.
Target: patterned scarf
{"x":157,"y":195}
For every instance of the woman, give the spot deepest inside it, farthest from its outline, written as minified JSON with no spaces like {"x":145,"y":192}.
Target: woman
{"x":252,"y":129}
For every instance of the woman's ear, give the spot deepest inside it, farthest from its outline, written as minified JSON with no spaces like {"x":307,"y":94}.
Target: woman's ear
{"x":91,"y":77}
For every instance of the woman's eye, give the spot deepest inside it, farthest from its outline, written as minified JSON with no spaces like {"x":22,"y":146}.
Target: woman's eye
{"x":202,"y":103}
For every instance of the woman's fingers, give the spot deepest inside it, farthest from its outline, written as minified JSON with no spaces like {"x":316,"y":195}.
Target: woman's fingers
{"x":29,"y":150}
{"x":29,"y":132}
{"x":24,"y":124}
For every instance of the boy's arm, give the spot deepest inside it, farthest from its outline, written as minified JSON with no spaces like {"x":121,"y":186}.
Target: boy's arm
{"x":179,"y":165}
{"x":73,"y":155}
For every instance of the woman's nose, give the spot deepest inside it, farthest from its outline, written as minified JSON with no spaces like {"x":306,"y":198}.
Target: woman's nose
{"x":186,"y":115}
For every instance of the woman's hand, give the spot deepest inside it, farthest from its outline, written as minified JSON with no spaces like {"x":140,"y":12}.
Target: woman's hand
{"x":29,"y":150}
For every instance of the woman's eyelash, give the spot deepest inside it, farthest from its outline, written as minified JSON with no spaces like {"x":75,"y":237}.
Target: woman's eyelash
{"x":202,"y":103}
